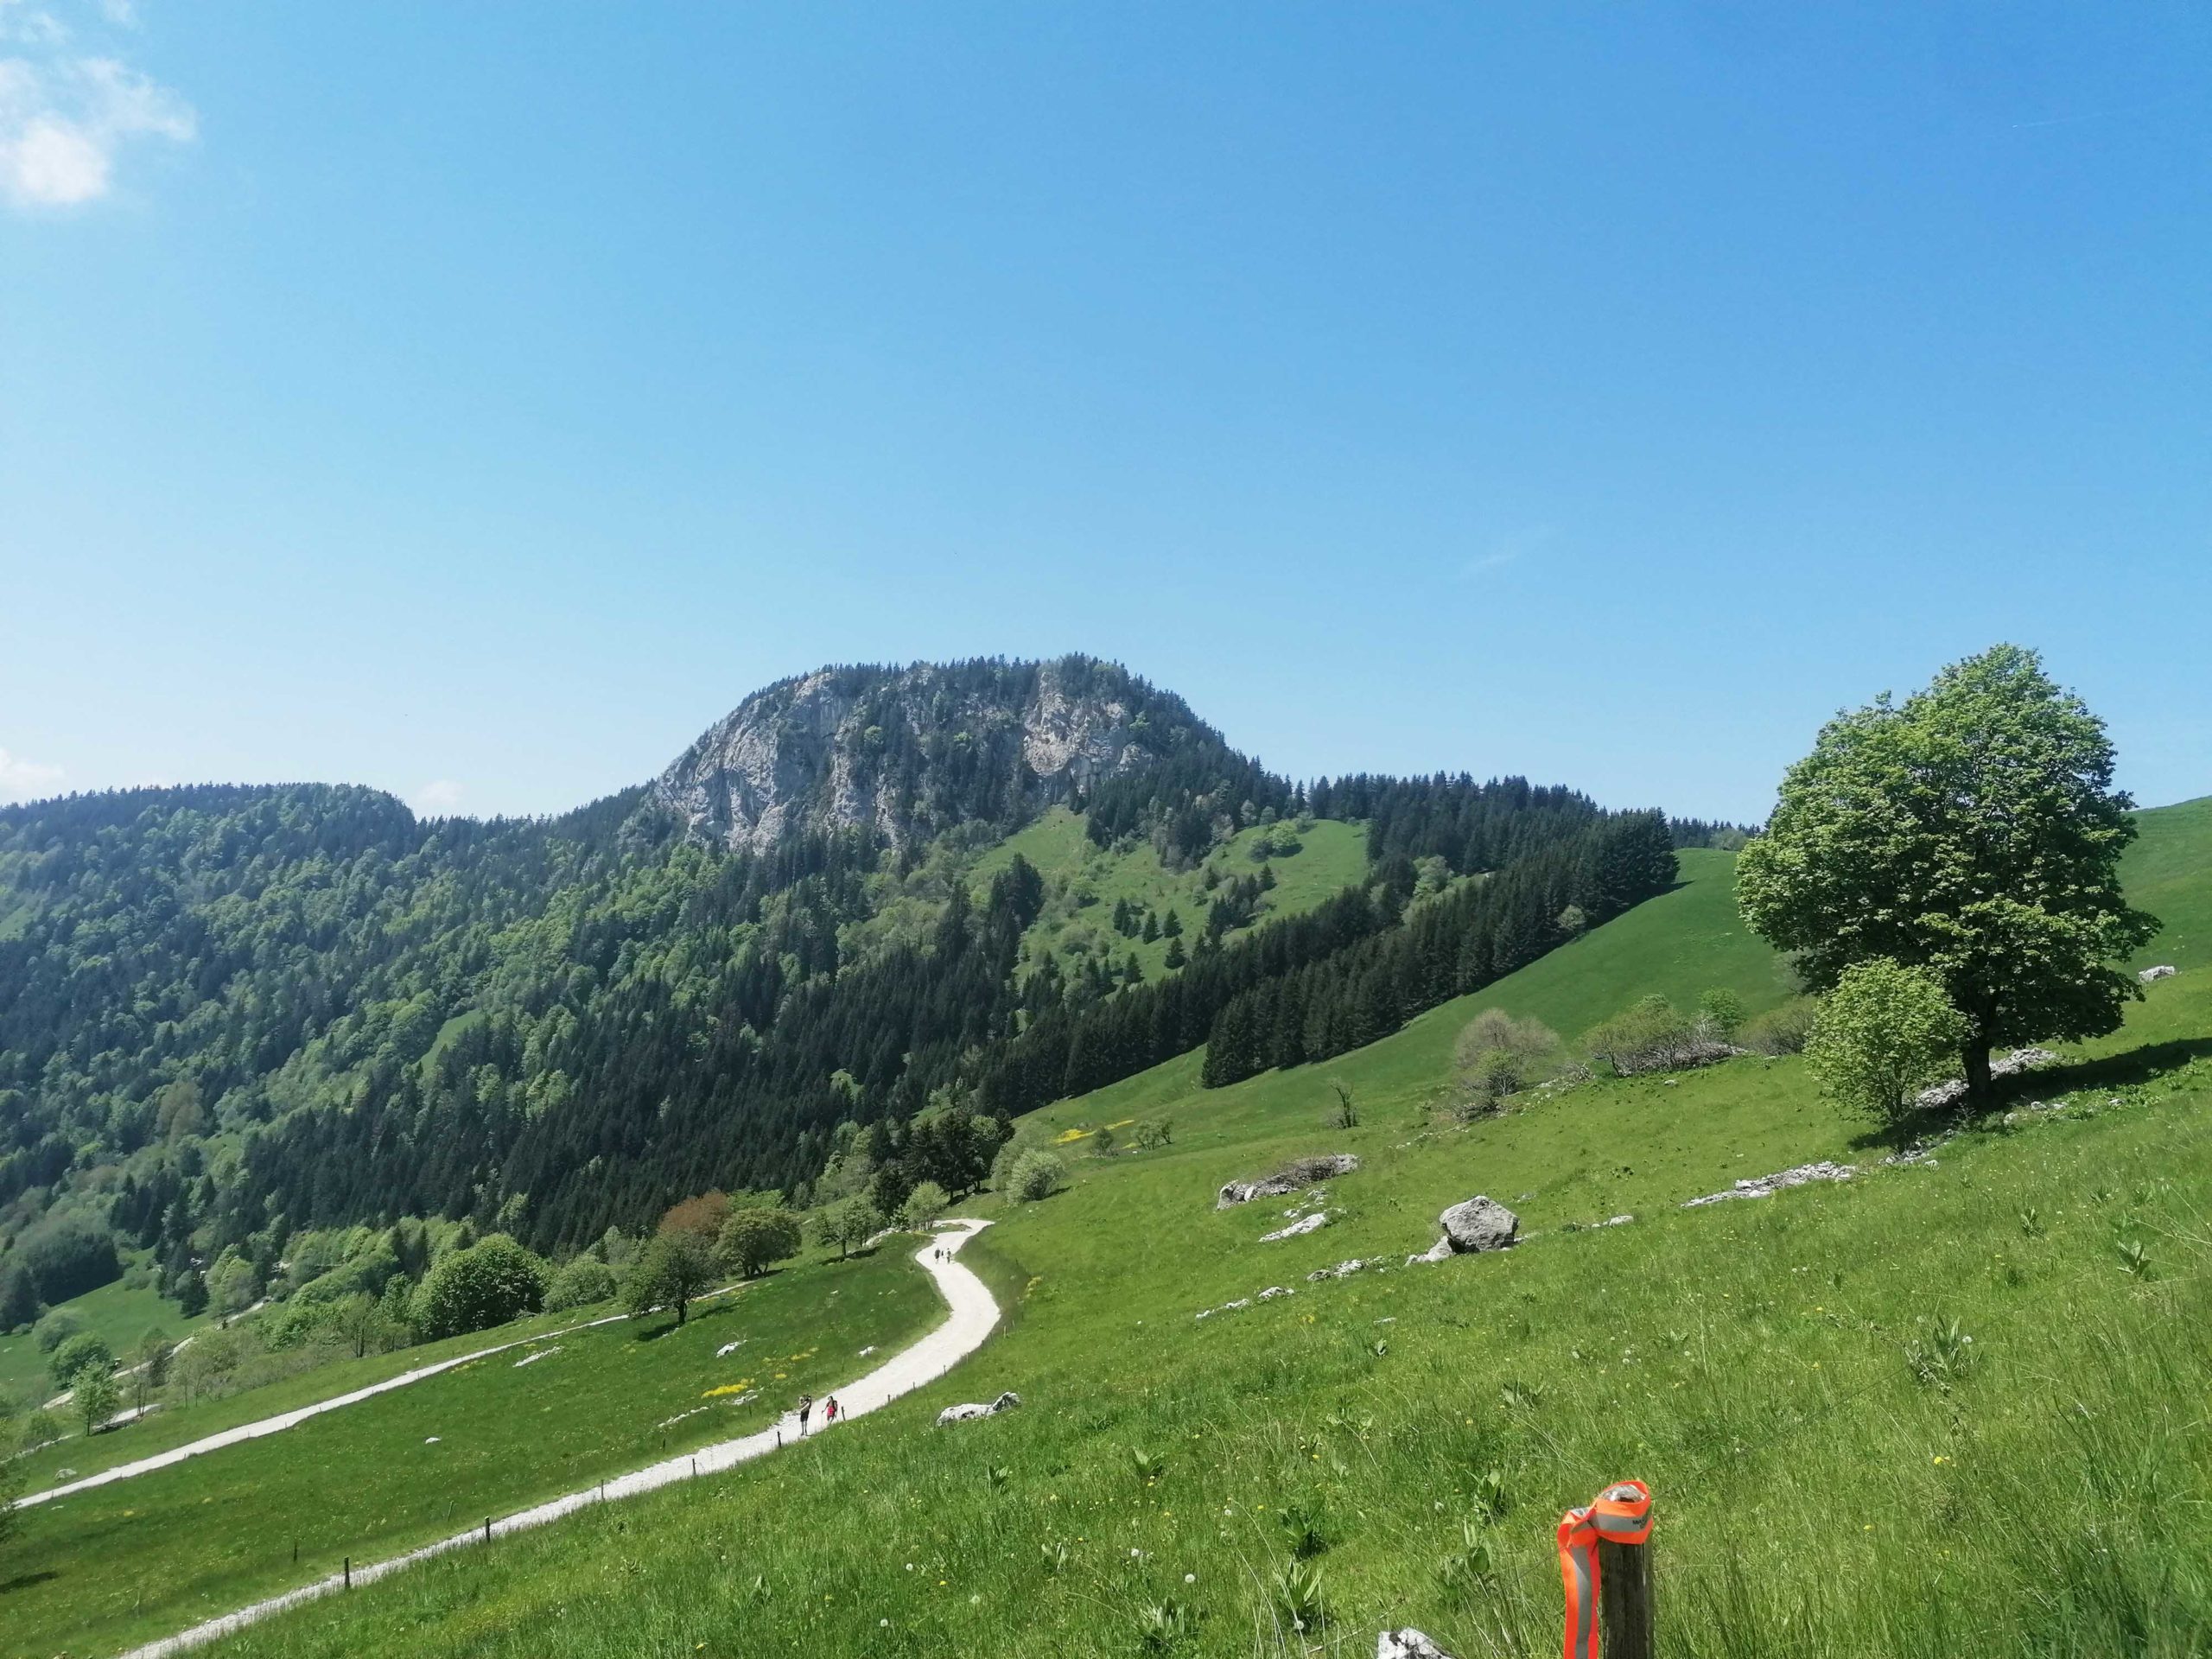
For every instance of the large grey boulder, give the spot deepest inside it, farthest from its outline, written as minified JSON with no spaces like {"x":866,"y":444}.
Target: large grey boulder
{"x":2163,"y":970}
{"x":1291,"y":1177}
{"x":1406,"y":1644}
{"x":1006,"y":1401}
{"x":1480,"y":1224}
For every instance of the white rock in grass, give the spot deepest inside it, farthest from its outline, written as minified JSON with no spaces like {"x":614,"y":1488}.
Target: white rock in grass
{"x":2163,"y":970}
{"x":1312,"y":1224}
{"x":1440,"y":1251}
{"x":1406,"y":1644}
{"x":1274,"y":1291}
{"x":730,"y":1347}
{"x":1006,"y":1401}
{"x":1480,"y":1224}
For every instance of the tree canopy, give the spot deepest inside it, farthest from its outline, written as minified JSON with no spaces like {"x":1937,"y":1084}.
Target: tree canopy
{"x":1972,"y":830}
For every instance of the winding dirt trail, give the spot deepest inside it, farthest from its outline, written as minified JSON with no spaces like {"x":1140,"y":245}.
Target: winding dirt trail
{"x":974,"y":1311}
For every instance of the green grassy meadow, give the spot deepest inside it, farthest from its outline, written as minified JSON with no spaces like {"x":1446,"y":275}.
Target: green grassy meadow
{"x":101,"y":1569}
{"x":119,"y":1313}
{"x":1082,"y":881}
{"x":1839,"y":1470}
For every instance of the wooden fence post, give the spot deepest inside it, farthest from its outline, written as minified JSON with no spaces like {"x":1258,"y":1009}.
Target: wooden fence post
{"x":488,"y":1528}
{"x":1624,"y":1621}
{"x":349,"y":1571}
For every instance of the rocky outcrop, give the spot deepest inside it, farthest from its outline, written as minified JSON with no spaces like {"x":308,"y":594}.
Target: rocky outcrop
{"x":1006,"y":1401}
{"x":1478,"y":1223}
{"x":2020,"y":1059}
{"x":909,"y":752}
{"x":1765,"y":1186}
{"x":1312,"y":1224}
{"x":1291,"y":1177}
{"x":2163,"y":970}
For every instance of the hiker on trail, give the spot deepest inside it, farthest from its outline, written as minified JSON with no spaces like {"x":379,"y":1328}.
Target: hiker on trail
{"x":805,"y":1406}
{"x":829,"y":1411}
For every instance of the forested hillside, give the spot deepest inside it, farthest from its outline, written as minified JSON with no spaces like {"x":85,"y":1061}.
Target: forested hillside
{"x":227,"y":1014}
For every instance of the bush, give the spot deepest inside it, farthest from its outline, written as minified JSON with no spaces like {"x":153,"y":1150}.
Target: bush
{"x":1036,"y":1174}
{"x":1721,"y":1012}
{"x":754,"y":1237}
{"x":582,"y":1283}
{"x":924,"y":1204}
{"x":56,"y":1327}
{"x":670,"y":1272}
{"x":85,"y":1351}
{"x":1499,"y":1056}
{"x":1884,"y":1030}
{"x":1783,"y":1030}
{"x":477,"y":1287}
{"x":1652,"y":1037}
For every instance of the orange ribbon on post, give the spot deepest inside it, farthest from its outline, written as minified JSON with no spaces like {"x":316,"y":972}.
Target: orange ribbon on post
{"x":1619,"y":1514}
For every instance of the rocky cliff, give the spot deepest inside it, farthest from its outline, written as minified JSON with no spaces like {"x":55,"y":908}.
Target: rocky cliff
{"x":911,"y":751}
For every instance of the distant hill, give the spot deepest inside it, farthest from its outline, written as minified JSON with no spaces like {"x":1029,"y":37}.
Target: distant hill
{"x":868,"y":896}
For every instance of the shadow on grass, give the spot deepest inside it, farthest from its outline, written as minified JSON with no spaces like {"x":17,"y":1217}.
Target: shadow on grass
{"x":25,"y":1580}
{"x":2113,"y":1072}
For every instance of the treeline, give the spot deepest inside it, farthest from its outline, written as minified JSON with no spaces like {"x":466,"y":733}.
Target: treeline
{"x":1354,"y":969}
{"x":1456,"y":942}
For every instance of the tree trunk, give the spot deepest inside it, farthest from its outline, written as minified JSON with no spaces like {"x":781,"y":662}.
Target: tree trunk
{"x":1977,"y":1069}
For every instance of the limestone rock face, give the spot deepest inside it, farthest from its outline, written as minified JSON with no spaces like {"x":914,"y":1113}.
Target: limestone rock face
{"x":911,"y":751}
{"x":1006,"y":1401}
{"x":1480,"y":1224}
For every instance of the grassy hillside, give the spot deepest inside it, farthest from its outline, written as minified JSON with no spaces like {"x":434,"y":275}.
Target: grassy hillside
{"x":1083,"y":882}
{"x":132,"y":1560}
{"x":119,"y":1313}
{"x":1839,"y":1471}
{"x":2168,"y":872}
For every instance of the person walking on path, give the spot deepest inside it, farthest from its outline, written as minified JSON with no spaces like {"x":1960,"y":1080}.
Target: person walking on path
{"x":829,"y":1411}
{"x":805,"y":1406}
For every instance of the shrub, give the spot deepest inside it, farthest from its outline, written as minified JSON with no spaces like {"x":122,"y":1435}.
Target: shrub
{"x":477,"y":1287}
{"x":1783,"y":1030}
{"x":926,"y":1204}
{"x":1498,"y":1056}
{"x":1652,"y":1036}
{"x":671,"y":1270}
{"x":1036,"y":1174}
{"x":1721,"y":1011}
{"x":1882,"y":1034}
{"x":582,"y":1283}
{"x":754,"y":1237}
{"x":85,"y":1351}
{"x":67,"y":1255}
{"x":56,"y":1327}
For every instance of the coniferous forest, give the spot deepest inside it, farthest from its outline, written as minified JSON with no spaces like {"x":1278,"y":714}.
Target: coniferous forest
{"x":230,"y":1013}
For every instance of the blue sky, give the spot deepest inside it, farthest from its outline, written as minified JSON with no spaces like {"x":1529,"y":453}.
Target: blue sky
{"x":477,"y":400}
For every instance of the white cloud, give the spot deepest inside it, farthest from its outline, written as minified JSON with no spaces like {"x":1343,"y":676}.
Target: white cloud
{"x":437,"y":800}
{"x":65,"y":116}
{"x":24,"y":781}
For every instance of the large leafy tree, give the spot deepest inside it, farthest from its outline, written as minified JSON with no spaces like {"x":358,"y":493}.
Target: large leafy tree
{"x":1972,"y":830}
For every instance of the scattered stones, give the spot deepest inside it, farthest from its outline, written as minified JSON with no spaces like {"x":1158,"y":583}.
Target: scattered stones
{"x":2163,"y":970}
{"x":1267,"y":1295}
{"x":1480,"y":1224}
{"x":1406,"y":1644}
{"x":730,"y":1347}
{"x":1765,"y":1186}
{"x":532,"y":1357}
{"x":1617,"y":1220}
{"x":866,"y":1351}
{"x":1291,"y":1177}
{"x":2020,"y":1059}
{"x":1440,"y":1251}
{"x":1006,"y":1401}
{"x":1274,"y":1291}
{"x":1312,"y":1224}
{"x":1344,"y":1270}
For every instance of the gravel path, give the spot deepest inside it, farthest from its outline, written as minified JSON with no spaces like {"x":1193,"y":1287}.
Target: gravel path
{"x":974,"y":1312}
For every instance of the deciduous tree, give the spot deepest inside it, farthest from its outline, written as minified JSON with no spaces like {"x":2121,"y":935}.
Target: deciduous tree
{"x":1972,"y":830}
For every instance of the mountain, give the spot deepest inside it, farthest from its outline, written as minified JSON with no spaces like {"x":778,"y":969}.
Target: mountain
{"x":230,"y":1013}
{"x":908,"y":753}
